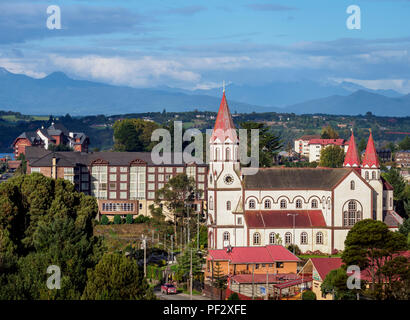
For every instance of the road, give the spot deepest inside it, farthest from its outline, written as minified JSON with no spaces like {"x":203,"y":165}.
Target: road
{"x":178,"y":296}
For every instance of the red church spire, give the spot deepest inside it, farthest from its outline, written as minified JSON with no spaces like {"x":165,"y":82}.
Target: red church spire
{"x":352,"y":158}
{"x":370,"y":159}
{"x":224,"y":127}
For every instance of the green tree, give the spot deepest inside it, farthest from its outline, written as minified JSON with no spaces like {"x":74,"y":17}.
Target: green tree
{"x":308,"y":295}
{"x":129,"y":219}
{"x":362,"y":145}
{"x":133,"y":135}
{"x":401,"y":191}
{"x":370,"y":244}
{"x":332,"y":157}
{"x":105,"y":220}
{"x":269,"y":143}
{"x":329,"y":133}
{"x":405,"y":143}
{"x":116,"y":277}
{"x":60,"y":147}
{"x":219,"y":279}
{"x":184,"y":264}
{"x":177,"y":195}
{"x":117,"y":219}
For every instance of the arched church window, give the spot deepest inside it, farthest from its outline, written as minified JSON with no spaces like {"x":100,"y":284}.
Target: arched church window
{"x":352,"y":186}
{"x":211,"y":203}
{"x":374,"y":175}
{"x":226,"y":236}
{"x":256,"y":238}
{"x":319,"y":238}
{"x":298,"y":203}
{"x":283,"y":204}
{"x":252,"y":204}
{"x":366,"y":175}
{"x":352,"y":215}
{"x":272,"y":238}
{"x":267,"y":204}
{"x":216,"y":154}
{"x":303,"y":238}
{"x":288,"y":238}
{"x":314,"y":204}
{"x":228,"y":205}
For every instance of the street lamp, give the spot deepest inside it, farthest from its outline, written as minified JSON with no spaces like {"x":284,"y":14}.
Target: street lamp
{"x":294,"y":216}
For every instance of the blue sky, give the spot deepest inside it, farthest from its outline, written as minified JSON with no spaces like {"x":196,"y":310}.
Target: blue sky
{"x":196,"y":43}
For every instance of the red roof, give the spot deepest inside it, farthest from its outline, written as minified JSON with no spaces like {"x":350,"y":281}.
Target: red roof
{"x":242,"y":255}
{"x":370,"y":159}
{"x":325,"y":142}
{"x":224,"y":127}
{"x":281,"y":219}
{"x":324,"y":265}
{"x":352,"y":157}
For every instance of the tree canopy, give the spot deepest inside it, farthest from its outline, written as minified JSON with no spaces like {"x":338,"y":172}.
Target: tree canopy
{"x":332,"y":157}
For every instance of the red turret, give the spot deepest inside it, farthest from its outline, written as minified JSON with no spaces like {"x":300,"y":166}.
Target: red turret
{"x":352,"y":159}
{"x":370,"y":159}
{"x":224,"y":127}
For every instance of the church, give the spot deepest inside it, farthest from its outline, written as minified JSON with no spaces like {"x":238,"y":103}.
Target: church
{"x":313,"y":208}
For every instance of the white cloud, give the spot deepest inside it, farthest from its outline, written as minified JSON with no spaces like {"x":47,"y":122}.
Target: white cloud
{"x":399,"y":85}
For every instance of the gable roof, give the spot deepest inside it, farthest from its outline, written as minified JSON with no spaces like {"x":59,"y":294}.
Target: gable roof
{"x":324,"y":265}
{"x":224,"y":127}
{"x":295,"y":178}
{"x":280,"y":219}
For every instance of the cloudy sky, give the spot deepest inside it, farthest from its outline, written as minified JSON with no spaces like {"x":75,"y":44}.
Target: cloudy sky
{"x":198,"y":43}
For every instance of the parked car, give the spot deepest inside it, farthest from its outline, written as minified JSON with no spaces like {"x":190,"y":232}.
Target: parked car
{"x":168,"y":288}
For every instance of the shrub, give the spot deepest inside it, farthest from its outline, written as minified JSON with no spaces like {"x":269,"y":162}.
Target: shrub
{"x":105,"y":220}
{"x":117,"y":219}
{"x":129,"y":219}
{"x":141,"y":219}
{"x":234,"y":296}
{"x":308,"y":295}
{"x":297,"y":250}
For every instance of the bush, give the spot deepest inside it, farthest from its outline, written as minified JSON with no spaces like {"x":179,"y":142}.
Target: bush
{"x":234,"y":296}
{"x":105,"y":220}
{"x":308,"y":295}
{"x":129,"y":219}
{"x":117,"y":219}
{"x":141,"y":219}
{"x":297,"y":250}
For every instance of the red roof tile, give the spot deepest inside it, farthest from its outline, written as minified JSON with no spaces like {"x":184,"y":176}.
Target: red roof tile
{"x":281,"y":219}
{"x":370,"y":158}
{"x":324,"y":265}
{"x":224,"y":127}
{"x":352,"y":157}
{"x":325,"y":142}
{"x":241,"y":255}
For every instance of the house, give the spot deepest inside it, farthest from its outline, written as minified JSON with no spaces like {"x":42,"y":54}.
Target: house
{"x":402,"y":158}
{"x":316,"y":146}
{"x":302,"y":144}
{"x":56,"y":134}
{"x":317,"y":269}
{"x":255,"y":272}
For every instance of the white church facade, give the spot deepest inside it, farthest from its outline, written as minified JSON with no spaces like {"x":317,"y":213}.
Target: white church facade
{"x":313,"y":208}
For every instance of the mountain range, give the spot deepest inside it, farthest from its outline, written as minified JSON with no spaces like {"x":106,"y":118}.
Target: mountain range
{"x":58,"y":94}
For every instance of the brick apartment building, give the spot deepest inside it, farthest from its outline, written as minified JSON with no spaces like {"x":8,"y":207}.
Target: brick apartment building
{"x":123,"y":182}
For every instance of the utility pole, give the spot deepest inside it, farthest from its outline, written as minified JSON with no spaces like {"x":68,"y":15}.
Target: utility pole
{"x":144,"y":241}
{"x":188,"y":222}
{"x":190,"y":277}
{"x":294,"y":240}
{"x":253,"y":281}
{"x":172,"y":248}
{"x":267,"y":283}
{"x":197,"y":234}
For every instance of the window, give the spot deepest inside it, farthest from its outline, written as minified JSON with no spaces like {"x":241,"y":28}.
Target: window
{"x":352,"y":215}
{"x":201,"y":178}
{"x":374,"y":175}
{"x":169,"y":169}
{"x":84,"y":186}
{"x":391,"y":202}
{"x":228,"y":205}
{"x":191,"y":172}
{"x":123,"y":186}
{"x":160,"y":169}
{"x":123,"y":177}
{"x":211,"y":203}
{"x":303,"y":238}
{"x":227,"y":154}
{"x":352,"y":185}
{"x":314,"y":204}
{"x":272,"y":238}
{"x":112,"y":186}
{"x":319,"y":238}
{"x":239,"y":220}
{"x":123,"y":195}
{"x":217,"y":154}
{"x":137,"y":182}
{"x":123,"y":169}
{"x":267,"y":204}
{"x":151,"y":177}
{"x":113,"y":169}
{"x":151,"y":186}
{"x":252,"y":204}
{"x":226,"y":236}
{"x":288,"y":238}
{"x":113,"y":195}
{"x":180,"y":170}
{"x":256,"y":238}
{"x":35,"y":170}
{"x":298,"y":203}
{"x":279,"y":265}
{"x":201,"y":170}
{"x":366,"y":175}
{"x":283,"y":204}
{"x":151,"y":169}
{"x":113,"y":177}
